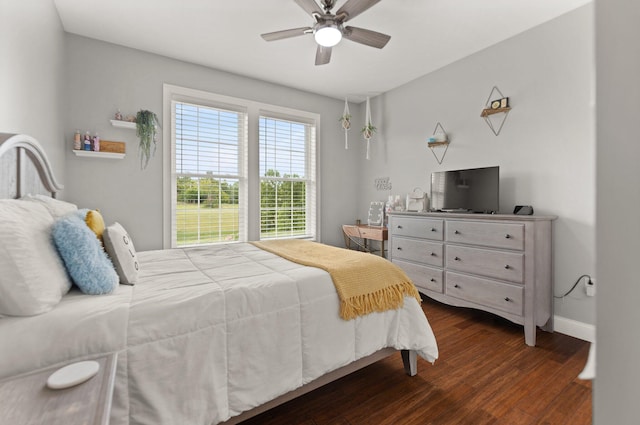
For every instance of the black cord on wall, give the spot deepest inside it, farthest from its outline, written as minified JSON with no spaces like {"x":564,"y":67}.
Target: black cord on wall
{"x":574,"y":286}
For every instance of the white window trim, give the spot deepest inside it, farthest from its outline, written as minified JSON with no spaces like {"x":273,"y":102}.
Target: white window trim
{"x":250,"y":168}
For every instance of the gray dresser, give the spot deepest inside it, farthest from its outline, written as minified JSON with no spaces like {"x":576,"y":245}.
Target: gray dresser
{"x":494,"y":262}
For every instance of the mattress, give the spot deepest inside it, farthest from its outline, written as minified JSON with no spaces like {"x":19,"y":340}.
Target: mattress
{"x":210,"y":332}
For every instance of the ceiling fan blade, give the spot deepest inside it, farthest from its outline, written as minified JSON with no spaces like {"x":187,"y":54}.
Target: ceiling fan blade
{"x":355,"y":7}
{"x":279,"y":35}
{"x":323,"y":55}
{"x":310,"y":6}
{"x":368,"y":37}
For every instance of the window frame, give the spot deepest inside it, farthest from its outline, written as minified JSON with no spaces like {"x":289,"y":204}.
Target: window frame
{"x":249,"y":184}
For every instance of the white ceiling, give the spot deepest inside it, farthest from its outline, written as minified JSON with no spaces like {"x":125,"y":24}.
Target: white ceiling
{"x":425,"y":35}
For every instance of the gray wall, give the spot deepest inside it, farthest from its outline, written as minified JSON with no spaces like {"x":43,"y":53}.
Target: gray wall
{"x":546,"y":150}
{"x":103,"y":77}
{"x":31,"y":75}
{"x":618,"y":203}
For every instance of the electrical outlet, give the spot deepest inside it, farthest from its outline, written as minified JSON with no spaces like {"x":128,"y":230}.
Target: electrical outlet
{"x":590,"y":287}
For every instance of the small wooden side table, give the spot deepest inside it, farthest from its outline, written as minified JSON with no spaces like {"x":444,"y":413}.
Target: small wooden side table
{"x":26,"y":399}
{"x":365,"y":232}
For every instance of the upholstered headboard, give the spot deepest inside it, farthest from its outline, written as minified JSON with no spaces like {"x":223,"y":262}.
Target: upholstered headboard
{"x":25,"y":168}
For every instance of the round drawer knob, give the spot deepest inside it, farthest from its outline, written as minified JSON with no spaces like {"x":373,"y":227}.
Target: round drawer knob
{"x":432,"y":280}
{"x":507,"y":299}
{"x":507,"y":236}
{"x":456,"y":286}
{"x":507,"y":267}
{"x":455,"y":232}
{"x":399,"y":248}
{"x":399,"y":227}
{"x":433,"y":229}
{"x":457,"y":258}
{"x":433,"y":254}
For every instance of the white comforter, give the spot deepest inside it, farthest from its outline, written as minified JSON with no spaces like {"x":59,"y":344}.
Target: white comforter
{"x":208,"y":333}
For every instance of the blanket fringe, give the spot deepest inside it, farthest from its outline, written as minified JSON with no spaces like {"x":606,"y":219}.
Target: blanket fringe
{"x":389,"y":298}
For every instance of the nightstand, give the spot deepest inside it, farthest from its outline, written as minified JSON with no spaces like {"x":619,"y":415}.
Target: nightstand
{"x":26,"y":399}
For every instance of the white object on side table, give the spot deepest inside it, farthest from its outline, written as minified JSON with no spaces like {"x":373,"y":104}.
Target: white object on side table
{"x":73,"y":374}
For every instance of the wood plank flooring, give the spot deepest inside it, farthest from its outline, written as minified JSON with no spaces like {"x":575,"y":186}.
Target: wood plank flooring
{"x":485,"y":375}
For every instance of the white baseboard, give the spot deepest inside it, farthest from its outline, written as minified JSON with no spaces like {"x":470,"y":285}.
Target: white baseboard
{"x":574,"y":328}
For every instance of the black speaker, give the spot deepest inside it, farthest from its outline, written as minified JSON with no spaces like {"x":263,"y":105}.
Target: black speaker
{"x":523,"y":210}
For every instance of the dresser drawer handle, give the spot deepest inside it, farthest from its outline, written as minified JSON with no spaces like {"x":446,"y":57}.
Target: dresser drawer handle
{"x":433,"y":229}
{"x":456,"y":286}
{"x":433,"y":254}
{"x":507,"y":267}
{"x":457,"y":258}
{"x":507,"y":299}
{"x":507,"y":236}
{"x":432,"y":280}
{"x":399,"y":227}
{"x":399,"y":248}
{"x":455,"y":232}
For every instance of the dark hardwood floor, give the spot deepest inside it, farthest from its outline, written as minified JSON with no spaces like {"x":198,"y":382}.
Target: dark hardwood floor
{"x":485,"y":375}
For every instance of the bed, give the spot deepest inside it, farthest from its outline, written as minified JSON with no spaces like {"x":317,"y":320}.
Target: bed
{"x":207,"y":335}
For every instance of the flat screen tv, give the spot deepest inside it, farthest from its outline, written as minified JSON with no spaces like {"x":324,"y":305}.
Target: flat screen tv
{"x":473,"y":190}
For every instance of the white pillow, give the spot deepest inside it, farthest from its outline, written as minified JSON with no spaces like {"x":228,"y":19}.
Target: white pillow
{"x":32,"y":278}
{"x":56,"y":207}
{"x":119,"y":246}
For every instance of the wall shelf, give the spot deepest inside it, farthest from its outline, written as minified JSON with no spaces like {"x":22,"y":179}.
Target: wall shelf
{"x":490,"y":109}
{"x":438,"y":133}
{"x":123,"y":124}
{"x":101,"y":155}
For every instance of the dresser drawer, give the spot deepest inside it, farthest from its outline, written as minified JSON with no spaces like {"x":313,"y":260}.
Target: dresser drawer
{"x":501,"y":296}
{"x":486,"y":262}
{"x":423,"y":277}
{"x":418,"y":250}
{"x":497,"y":235}
{"x":426,"y":228}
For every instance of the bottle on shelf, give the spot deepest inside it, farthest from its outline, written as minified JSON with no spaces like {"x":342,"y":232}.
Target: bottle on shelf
{"x":87,"y":141}
{"x":77,"y":142}
{"x":96,"y":143}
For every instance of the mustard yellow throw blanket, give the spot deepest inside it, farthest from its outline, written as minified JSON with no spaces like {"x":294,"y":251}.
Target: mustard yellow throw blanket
{"x":365,"y":282}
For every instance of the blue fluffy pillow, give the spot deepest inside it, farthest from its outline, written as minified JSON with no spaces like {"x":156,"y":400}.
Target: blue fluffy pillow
{"x":83,"y":256}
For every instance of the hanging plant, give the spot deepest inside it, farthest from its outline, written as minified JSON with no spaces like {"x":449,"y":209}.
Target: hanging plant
{"x":368,"y":130}
{"x":146,"y":122}
{"x":346,"y":121}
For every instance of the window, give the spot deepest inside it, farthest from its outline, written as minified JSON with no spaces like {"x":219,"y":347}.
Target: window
{"x":207,"y":163}
{"x":285,"y":178}
{"x":237,"y":170}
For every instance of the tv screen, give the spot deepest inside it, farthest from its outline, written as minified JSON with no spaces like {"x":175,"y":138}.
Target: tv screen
{"x":472,"y":190}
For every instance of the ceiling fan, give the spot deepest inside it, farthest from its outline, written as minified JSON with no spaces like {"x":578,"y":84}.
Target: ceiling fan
{"x":329,"y":28}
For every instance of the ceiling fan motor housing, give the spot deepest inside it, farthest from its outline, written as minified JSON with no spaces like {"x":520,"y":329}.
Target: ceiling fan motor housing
{"x":329,"y":28}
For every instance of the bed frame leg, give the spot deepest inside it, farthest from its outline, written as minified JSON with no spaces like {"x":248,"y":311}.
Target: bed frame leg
{"x":410,"y":360}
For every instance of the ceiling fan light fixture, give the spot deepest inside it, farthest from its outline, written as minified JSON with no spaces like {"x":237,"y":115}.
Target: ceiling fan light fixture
{"x":328,"y":35}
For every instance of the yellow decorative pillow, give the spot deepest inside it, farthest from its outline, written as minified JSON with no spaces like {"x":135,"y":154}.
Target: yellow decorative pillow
{"x":95,"y":222}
